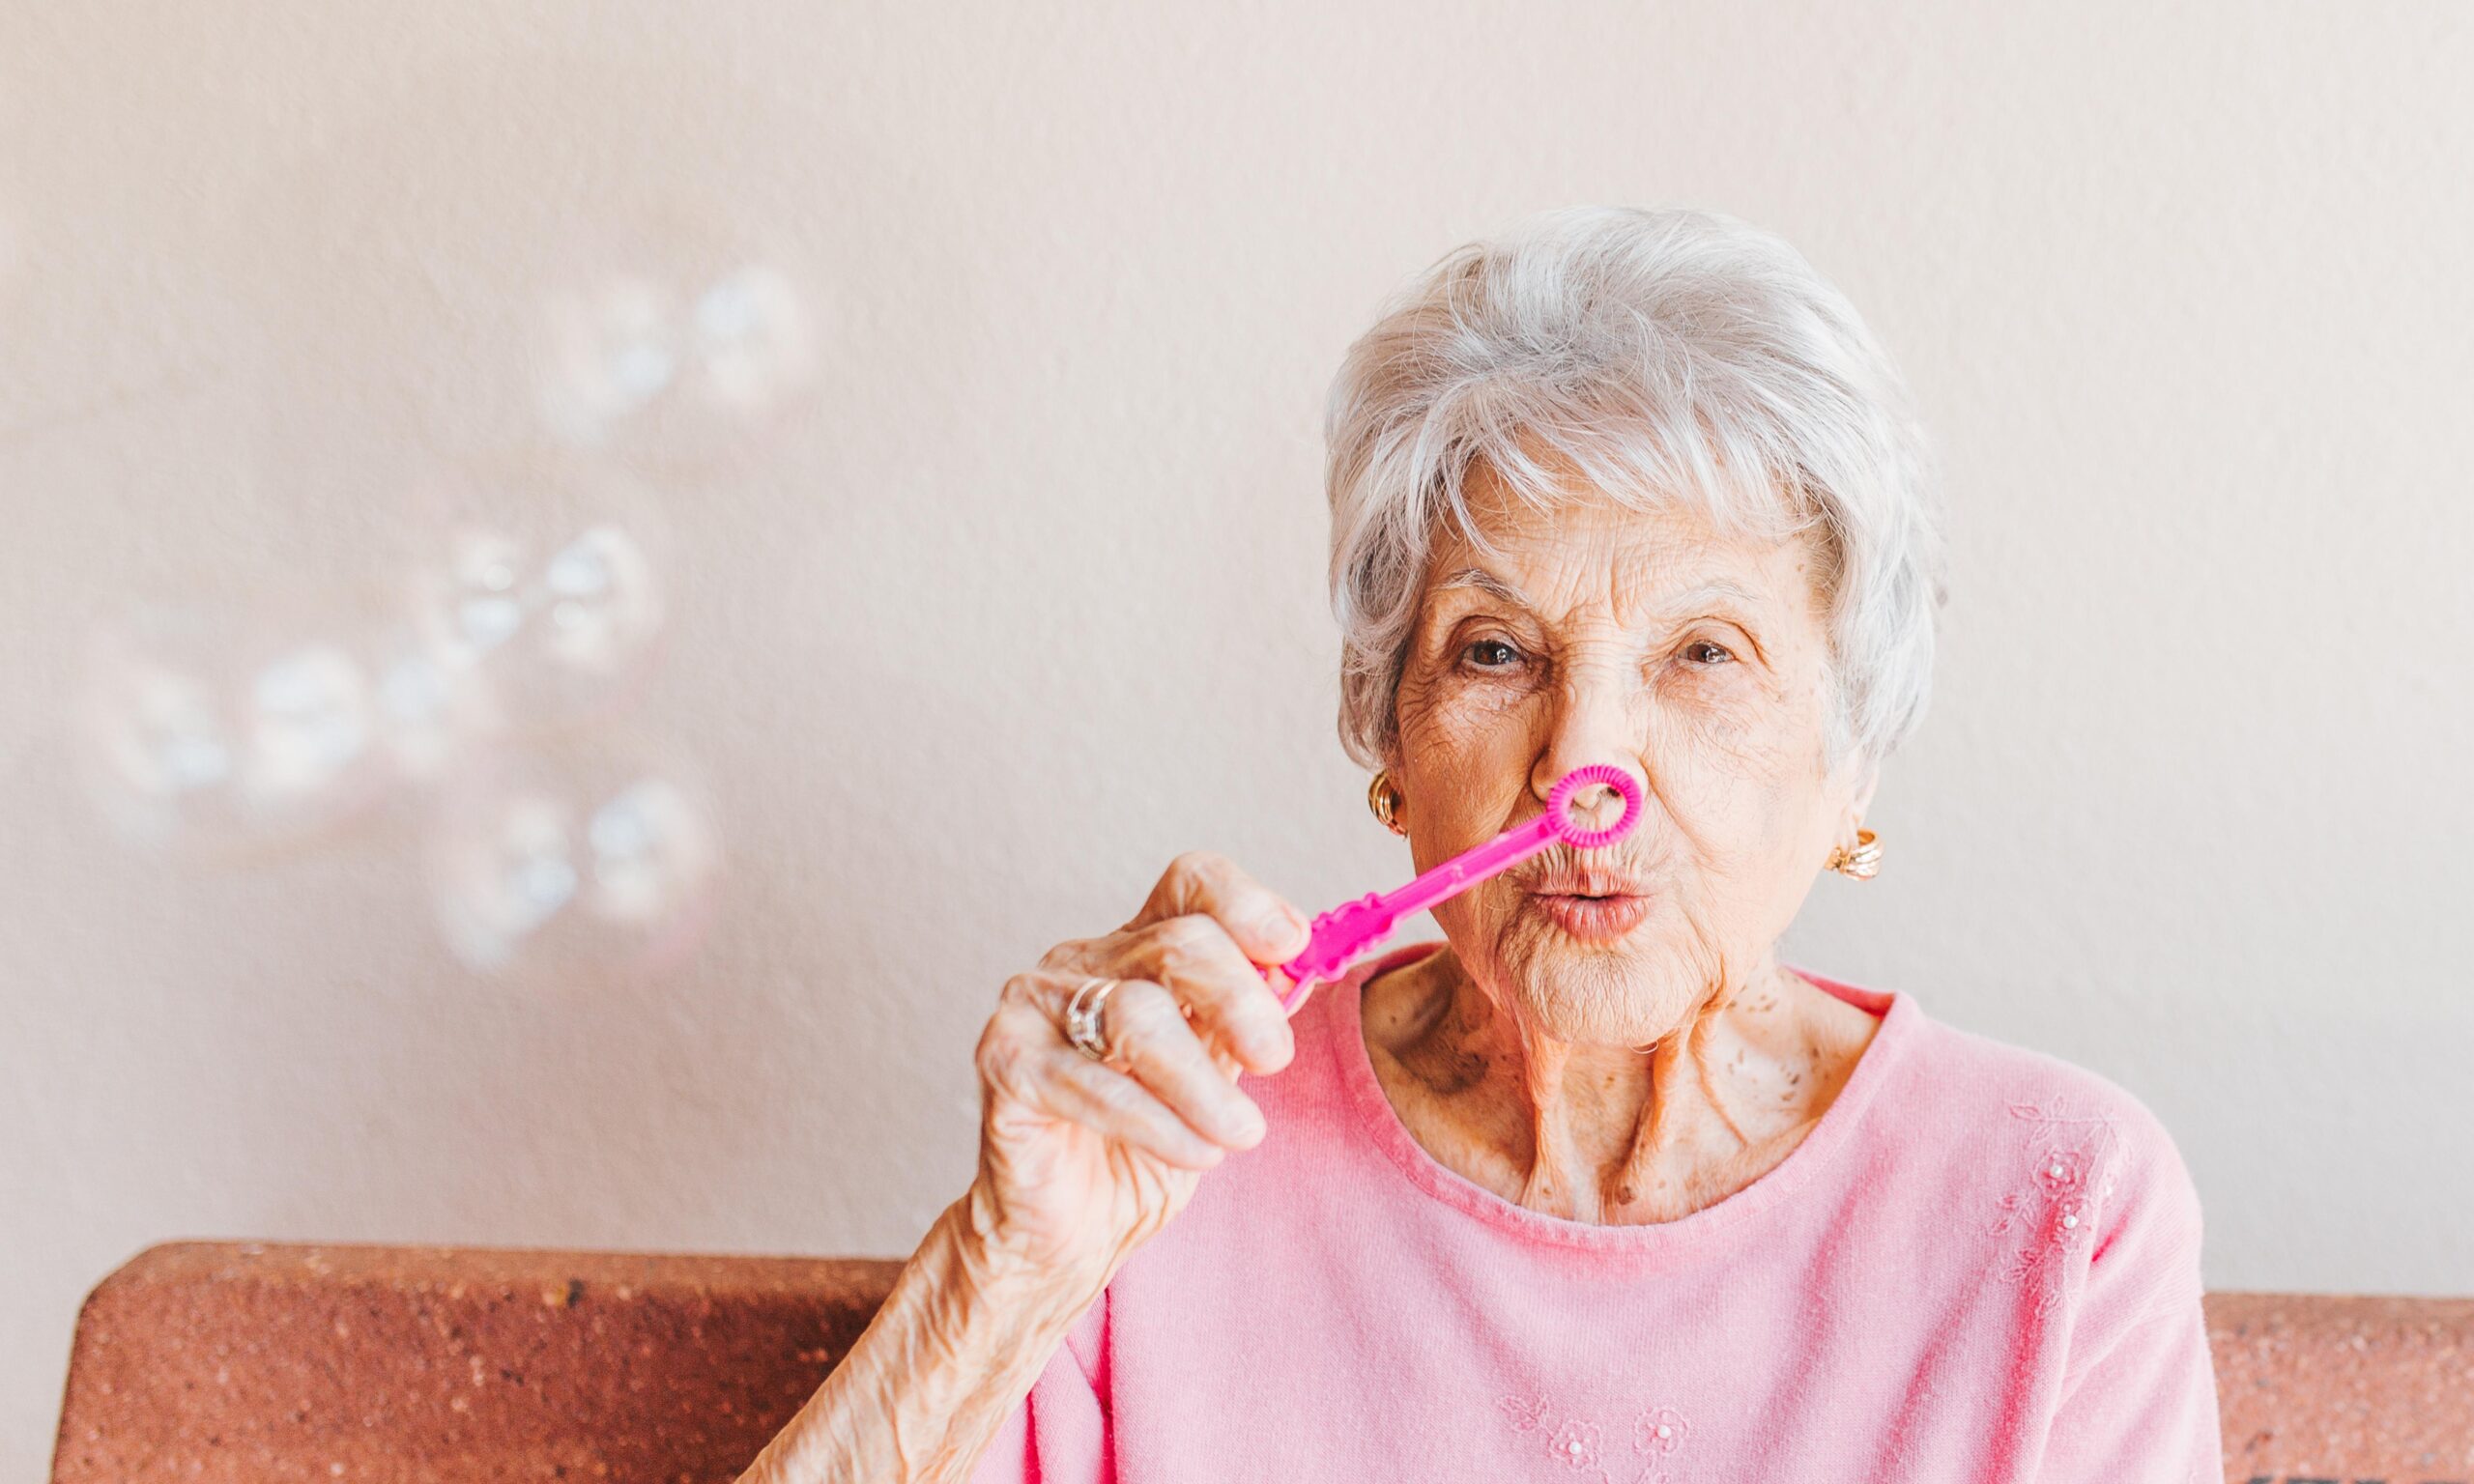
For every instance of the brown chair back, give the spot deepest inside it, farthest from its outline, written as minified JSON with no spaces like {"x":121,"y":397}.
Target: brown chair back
{"x":223,"y":1362}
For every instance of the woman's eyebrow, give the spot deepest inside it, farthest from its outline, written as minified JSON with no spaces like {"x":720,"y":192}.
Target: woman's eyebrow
{"x":1717,"y":590}
{"x":1488,"y":583}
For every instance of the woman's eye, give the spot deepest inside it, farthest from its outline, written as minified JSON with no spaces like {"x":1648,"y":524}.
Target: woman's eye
{"x":1700,"y":648}
{"x":1485,"y":647}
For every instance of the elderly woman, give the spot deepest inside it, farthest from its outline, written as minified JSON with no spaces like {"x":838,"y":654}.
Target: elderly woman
{"x":1596,"y":1188}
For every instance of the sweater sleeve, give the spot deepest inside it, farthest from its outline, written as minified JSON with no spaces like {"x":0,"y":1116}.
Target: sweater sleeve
{"x":2138,"y":1395}
{"x":1059,"y":1433}
{"x":2146,"y":1410}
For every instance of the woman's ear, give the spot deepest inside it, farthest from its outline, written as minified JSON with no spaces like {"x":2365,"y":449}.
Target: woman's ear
{"x":1862,"y":799}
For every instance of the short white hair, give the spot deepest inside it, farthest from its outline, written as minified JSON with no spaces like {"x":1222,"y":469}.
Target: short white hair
{"x":1666,"y":354}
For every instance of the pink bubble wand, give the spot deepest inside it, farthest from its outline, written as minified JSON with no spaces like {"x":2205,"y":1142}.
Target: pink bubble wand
{"x":1350,"y":932}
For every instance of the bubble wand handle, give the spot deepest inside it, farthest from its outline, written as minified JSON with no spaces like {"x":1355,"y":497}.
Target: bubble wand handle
{"x":1348,"y":932}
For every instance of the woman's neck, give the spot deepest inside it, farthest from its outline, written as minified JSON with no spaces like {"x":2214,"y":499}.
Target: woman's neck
{"x":1615,"y":1135}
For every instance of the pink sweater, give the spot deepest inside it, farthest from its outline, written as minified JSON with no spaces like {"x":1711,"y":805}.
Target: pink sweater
{"x":1982,"y":1265}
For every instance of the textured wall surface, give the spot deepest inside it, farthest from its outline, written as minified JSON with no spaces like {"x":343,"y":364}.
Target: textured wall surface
{"x":1039,"y":549}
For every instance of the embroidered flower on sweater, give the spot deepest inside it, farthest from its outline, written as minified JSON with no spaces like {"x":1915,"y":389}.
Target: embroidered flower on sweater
{"x":2055,"y":1214}
{"x":2063,"y":1171}
{"x":1526,"y":1412}
{"x":1659,"y":1432}
{"x":1574,"y":1445}
{"x":1574,"y":1441}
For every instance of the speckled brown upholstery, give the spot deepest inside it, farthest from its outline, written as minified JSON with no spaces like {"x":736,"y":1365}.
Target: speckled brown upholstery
{"x":2318,"y":1387}
{"x":252,"y":1362}
{"x":216,"y":1362}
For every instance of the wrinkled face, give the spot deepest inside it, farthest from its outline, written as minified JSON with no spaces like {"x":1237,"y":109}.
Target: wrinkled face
{"x":1691,"y":658}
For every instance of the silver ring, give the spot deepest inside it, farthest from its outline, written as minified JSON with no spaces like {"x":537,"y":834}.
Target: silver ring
{"x":1082,"y":1017}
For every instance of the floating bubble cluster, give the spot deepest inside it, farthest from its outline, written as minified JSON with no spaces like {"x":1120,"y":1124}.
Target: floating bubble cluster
{"x":531,"y":611}
{"x":203,"y":732}
{"x":458,"y":282}
{"x":458,"y":269}
{"x":413,"y":697}
{"x":537,"y":592}
{"x":557,"y":867}
{"x":676,"y":364}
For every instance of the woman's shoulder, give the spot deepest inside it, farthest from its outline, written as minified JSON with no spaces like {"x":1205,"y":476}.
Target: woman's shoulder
{"x":2066,"y":1160}
{"x":1996,"y":1085}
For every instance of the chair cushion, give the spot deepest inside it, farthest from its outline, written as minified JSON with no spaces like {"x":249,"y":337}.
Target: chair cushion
{"x":261,"y":1362}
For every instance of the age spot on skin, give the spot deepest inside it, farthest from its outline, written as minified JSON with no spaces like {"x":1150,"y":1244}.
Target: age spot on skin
{"x":1458,"y":1074}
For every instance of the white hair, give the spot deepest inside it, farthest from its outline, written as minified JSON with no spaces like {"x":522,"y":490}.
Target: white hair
{"x":1669,"y":354}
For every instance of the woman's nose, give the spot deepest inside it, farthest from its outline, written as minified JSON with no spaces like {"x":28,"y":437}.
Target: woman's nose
{"x":1592,"y":725}
{"x":1600,"y":807}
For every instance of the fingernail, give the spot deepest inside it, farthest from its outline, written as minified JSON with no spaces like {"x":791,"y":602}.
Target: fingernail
{"x":1282,"y":1052}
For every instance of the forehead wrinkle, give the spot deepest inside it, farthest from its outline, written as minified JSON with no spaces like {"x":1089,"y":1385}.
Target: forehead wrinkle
{"x":1718,"y":589}
{"x":1713,"y":591}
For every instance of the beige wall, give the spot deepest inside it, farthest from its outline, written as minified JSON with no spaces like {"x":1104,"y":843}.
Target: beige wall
{"x":1024,"y":596}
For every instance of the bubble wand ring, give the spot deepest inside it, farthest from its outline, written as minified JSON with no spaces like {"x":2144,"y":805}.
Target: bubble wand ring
{"x":1348,"y":932}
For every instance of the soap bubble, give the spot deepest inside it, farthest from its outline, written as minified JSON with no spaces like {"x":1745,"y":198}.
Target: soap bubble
{"x":458,"y":266}
{"x":537,"y":592}
{"x":613,"y":348}
{"x":673,"y":366}
{"x":580,"y":866}
{"x":751,"y":341}
{"x":419,"y":705}
{"x":218,"y":729}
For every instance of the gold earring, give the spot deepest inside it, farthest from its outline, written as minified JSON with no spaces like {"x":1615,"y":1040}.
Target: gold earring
{"x":1385,"y":800}
{"x":1863,"y":861}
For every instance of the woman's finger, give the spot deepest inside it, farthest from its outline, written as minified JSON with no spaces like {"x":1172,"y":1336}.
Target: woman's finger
{"x":1025,"y":1060}
{"x":1266,"y":929}
{"x":1230,"y":1004}
{"x":1115,"y":1106}
{"x":1026,"y":1053}
{"x":1147,"y":1031}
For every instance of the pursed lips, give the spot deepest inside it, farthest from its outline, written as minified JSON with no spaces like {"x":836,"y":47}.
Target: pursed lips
{"x":1592,"y":904}
{"x":1588,"y":882}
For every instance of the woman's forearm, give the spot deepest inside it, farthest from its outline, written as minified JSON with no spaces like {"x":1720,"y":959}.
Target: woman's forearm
{"x":950,"y":1355}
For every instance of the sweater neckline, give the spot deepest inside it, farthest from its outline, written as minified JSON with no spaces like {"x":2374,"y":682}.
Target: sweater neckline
{"x":1820,"y":1147}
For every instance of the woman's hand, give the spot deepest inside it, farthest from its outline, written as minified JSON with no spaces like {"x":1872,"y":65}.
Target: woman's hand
{"x":1082,"y":1161}
{"x":1079,"y":1163}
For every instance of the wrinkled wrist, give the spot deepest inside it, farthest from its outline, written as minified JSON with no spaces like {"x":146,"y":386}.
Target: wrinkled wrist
{"x":990,"y":1263}
{"x":955,"y":1345}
